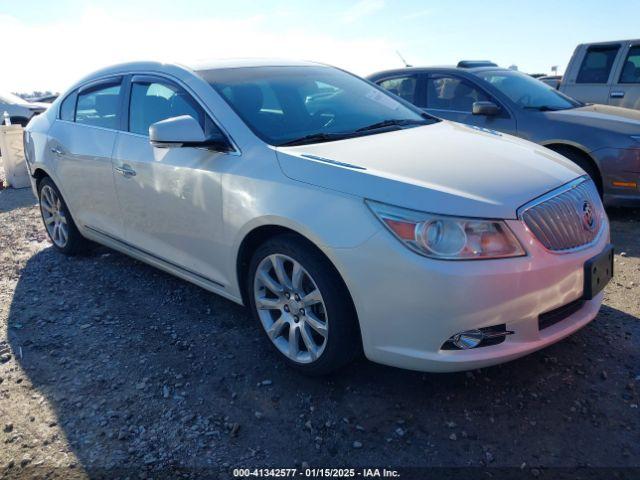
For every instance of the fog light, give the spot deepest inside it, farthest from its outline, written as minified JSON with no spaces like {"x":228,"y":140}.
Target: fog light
{"x":468,"y":339}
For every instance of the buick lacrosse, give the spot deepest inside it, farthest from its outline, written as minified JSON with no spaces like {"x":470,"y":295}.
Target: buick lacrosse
{"x":345,"y":218}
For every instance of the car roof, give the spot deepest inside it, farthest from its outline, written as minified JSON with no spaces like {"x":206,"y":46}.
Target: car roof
{"x":608,"y":42}
{"x":452,"y":68}
{"x":250,"y":62}
{"x":176,"y":68}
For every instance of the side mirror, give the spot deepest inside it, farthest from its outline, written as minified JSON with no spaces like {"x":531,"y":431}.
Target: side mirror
{"x":184,"y":131}
{"x":485,"y":108}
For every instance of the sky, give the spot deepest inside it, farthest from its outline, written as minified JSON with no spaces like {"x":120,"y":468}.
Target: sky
{"x":49,"y":44}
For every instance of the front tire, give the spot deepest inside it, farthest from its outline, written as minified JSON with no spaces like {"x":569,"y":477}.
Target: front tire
{"x":58,"y":223}
{"x":303,"y":305}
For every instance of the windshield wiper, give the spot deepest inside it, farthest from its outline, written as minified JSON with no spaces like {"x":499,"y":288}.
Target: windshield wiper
{"x":543,"y":108}
{"x":314,"y":138}
{"x":328,"y":137}
{"x":391,"y":123}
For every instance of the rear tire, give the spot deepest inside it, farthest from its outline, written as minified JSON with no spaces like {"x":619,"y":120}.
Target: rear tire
{"x":57,"y":220}
{"x":299,"y":299}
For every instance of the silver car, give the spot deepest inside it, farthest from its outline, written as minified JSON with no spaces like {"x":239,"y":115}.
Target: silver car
{"x":343,"y":217}
{"x":20,"y":111}
{"x":603,"y":140}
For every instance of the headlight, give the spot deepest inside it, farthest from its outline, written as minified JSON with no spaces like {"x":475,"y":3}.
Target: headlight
{"x":448,"y":238}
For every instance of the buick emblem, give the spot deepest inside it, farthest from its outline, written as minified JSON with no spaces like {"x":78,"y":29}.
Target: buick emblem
{"x":588,"y":216}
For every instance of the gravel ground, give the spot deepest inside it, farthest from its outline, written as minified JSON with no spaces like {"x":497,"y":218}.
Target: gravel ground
{"x":108,"y":363}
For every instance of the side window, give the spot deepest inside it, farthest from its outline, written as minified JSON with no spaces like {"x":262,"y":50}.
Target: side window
{"x":597,"y":64}
{"x":631,"y":68}
{"x":152,"y":102}
{"x":446,"y":92}
{"x":99,"y":107}
{"x":68,"y":107}
{"x":403,"y":87}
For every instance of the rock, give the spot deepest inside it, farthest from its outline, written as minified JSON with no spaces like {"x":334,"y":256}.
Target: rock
{"x":453,"y":437}
{"x":8,"y":428}
{"x":266,"y":383}
{"x":235,"y":428}
{"x":258,"y":415}
{"x":400,"y":432}
{"x":604,"y":375}
{"x":357,"y":444}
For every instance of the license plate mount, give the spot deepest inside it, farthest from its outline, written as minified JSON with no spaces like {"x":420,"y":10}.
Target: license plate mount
{"x":598,"y":271}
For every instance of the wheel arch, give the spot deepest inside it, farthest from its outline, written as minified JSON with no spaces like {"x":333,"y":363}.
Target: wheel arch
{"x":260,"y":234}
{"x":39,"y":173}
{"x":577,"y":149}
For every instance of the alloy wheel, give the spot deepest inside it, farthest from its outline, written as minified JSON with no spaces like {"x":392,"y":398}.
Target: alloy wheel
{"x":54,"y":216}
{"x":291,"y":308}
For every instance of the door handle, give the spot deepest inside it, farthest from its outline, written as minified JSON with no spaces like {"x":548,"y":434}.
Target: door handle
{"x":126,"y":171}
{"x":56,"y":151}
{"x":617,"y":94}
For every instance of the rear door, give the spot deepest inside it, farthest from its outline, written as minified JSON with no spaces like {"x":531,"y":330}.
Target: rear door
{"x":591,"y":74}
{"x":451,"y":97}
{"x":625,"y":91}
{"x":82,"y":140}
{"x":170,"y":197}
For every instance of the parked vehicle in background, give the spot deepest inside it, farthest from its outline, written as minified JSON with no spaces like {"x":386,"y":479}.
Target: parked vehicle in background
{"x":603,"y":140}
{"x":343,"y":217}
{"x":551,"y":80}
{"x":20,"y":111}
{"x":44,"y":98}
{"x":605,"y":72}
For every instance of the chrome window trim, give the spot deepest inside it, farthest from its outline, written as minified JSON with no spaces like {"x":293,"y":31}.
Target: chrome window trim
{"x":78,"y":87}
{"x":236,"y":149}
{"x":554,"y":193}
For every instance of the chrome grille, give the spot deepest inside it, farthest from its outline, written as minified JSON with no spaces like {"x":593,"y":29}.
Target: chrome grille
{"x":568,"y":218}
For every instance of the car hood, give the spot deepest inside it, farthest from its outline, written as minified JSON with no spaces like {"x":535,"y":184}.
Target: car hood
{"x":616,"y":119}
{"x":445,"y":168}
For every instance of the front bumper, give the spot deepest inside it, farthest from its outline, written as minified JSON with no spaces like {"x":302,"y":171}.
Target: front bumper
{"x":409,"y":305}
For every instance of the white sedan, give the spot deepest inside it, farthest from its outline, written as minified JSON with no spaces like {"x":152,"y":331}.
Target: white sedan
{"x":345,"y":218}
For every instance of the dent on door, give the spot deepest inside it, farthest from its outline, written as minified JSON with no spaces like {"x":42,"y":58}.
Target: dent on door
{"x":171,"y":201}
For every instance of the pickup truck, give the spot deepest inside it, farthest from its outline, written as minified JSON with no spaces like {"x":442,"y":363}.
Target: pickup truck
{"x":606,"y":72}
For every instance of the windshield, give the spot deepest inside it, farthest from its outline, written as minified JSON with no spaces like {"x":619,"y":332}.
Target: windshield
{"x":309,"y":104}
{"x":10,"y":98}
{"x":527,"y":92}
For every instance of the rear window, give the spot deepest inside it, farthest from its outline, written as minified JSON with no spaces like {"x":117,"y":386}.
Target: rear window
{"x":631,"y":68}
{"x":99,"y":107}
{"x":597,"y":64}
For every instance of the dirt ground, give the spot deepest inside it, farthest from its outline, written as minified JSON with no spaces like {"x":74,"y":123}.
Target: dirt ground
{"x":106,"y":363}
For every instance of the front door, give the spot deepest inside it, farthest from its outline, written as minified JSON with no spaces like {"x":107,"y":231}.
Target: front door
{"x":170,"y":197}
{"x":452,"y":97}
